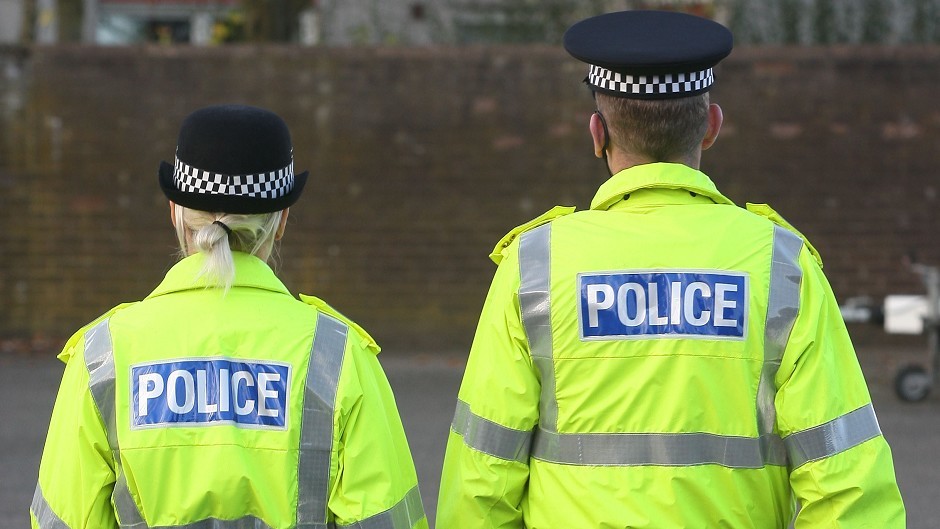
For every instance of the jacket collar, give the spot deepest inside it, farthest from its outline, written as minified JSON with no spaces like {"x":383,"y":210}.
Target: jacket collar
{"x":656,"y":176}
{"x":250,"y":272}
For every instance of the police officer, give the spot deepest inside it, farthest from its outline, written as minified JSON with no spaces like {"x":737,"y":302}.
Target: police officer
{"x":220,"y":401}
{"x":665,"y":359}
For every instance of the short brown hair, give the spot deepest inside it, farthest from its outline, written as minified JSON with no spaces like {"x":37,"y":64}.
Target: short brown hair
{"x":661,"y":129}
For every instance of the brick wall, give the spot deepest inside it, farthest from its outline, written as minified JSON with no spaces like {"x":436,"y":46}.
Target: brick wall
{"x":421,"y":159}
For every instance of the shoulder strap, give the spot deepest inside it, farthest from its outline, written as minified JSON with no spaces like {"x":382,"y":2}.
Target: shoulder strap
{"x":367,"y":341}
{"x":768,"y":213}
{"x":500,"y":250}
{"x":69,"y":347}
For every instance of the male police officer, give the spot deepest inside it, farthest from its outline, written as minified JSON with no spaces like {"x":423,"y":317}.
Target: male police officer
{"x":221,"y":401}
{"x":665,"y":359}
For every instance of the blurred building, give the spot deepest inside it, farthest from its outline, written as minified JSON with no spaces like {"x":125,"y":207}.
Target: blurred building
{"x":460,"y":22}
{"x":527,"y":21}
{"x":415,"y":22}
{"x":309,"y":22}
{"x":164,"y":21}
{"x":12,"y":16}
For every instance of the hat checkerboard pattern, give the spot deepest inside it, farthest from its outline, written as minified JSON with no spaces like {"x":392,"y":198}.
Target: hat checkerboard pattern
{"x":274,"y":184}
{"x":673,"y":83}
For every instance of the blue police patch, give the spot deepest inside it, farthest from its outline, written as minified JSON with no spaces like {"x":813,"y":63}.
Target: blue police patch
{"x":210,"y":391}
{"x":655,"y":304}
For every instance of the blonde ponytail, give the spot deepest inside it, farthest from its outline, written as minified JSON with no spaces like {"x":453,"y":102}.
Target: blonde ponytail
{"x":205,"y":232}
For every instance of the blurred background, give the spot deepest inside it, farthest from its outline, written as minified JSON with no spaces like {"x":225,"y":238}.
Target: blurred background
{"x":430,"y":129}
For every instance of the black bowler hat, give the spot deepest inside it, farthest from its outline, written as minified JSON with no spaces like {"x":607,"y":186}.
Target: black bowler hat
{"x":233,"y":159}
{"x":649,"y":54}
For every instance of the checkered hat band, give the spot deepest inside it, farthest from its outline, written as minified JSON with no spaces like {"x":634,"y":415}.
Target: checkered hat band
{"x":674,"y":83}
{"x":274,"y":184}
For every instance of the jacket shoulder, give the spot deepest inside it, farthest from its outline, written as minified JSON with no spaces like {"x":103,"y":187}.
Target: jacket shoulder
{"x":69,"y":348}
{"x":366,"y":341}
{"x":768,"y":212}
{"x":499,"y":252}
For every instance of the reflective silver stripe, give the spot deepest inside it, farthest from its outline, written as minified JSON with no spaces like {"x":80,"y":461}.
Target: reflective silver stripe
{"x":43,"y":513}
{"x":404,"y":515}
{"x":99,"y":359}
{"x":535,"y":305}
{"x":490,"y":437}
{"x":773,"y":450}
{"x":316,"y":436}
{"x":247,"y":522}
{"x":677,"y":449}
{"x":783,"y":304}
{"x":833,"y":437}
{"x":127,"y":512}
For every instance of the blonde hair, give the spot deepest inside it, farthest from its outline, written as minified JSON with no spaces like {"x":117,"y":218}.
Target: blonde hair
{"x":198,"y":231}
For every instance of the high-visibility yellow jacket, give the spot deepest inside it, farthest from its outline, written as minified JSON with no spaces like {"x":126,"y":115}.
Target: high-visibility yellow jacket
{"x":249,"y":410}
{"x":664,"y":360}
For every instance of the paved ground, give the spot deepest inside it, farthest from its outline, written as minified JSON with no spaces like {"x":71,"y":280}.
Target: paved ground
{"x":426,"y":388}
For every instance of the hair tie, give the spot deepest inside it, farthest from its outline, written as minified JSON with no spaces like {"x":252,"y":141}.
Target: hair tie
{"x":228,"y":230}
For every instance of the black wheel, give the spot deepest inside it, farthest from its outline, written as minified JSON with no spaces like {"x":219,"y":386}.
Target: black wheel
{"x":912,"y":383}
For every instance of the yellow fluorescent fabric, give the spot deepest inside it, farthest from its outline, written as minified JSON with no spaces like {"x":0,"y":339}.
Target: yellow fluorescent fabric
{"x":76,"y":472}
{"x":177,"y":474}
{"x":637,"y":399}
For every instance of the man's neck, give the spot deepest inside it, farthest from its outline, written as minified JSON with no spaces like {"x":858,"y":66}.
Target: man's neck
{"x":619,"y":160}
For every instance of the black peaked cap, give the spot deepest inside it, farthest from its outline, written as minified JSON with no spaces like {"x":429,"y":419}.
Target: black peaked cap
{"x":233,"y":159}
{"x":643,"y":44}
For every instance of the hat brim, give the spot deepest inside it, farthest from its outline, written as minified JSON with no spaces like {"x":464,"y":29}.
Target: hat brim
{"x":226,"y":203}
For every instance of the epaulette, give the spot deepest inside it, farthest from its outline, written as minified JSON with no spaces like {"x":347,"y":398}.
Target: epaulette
{"x":768,"y":212}
{"x":500,"y":251}
{"x":367,"y":341}
{"x":69,"y":347}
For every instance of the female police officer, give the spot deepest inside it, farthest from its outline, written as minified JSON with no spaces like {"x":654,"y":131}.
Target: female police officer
{"x":220,"y":401}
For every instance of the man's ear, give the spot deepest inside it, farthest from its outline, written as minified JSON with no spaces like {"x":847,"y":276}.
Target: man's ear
{"x":715,"y":119}
{"x":598,"y":134}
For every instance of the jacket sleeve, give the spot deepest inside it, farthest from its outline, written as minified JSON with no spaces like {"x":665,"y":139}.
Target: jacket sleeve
{"x":376,"y":483}
{"x":486,"y":467}
{"x":841,"y":469}
{"x":76,"y":474}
